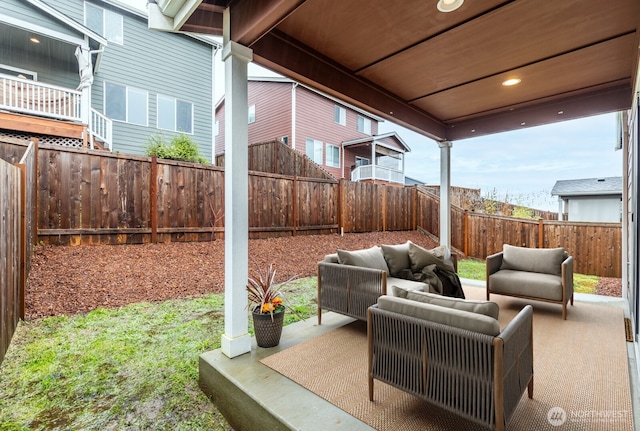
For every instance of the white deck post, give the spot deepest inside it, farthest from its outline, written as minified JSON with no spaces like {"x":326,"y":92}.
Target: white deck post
{"x":236,"y":340}
{"x":445,"y":190}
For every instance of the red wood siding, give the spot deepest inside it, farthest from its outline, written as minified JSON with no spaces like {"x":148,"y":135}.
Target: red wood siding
{"x":273,"y":111}
{"x":314,"y":120}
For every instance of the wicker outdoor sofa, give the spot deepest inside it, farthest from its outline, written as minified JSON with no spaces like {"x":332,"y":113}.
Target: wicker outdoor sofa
{"x":351,"y":281}
{"x":455,"y":359}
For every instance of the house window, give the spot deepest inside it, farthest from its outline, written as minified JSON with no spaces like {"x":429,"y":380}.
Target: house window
{"x":340,"y":115}
{"x":252,"y":114}
{"x":364,"y":125}
{"x":362,"y":161}
{"x":106,"y":23}
{"x":17,"y":72}
{"x":175,"y":115}
{"x":285,"y":140}
{"x":124,"y":103}
{"x":333,"y":156}
{"x":314,"y":150}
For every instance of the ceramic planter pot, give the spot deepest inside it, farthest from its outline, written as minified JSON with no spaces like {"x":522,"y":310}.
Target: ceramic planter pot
{"x":268,"y":330}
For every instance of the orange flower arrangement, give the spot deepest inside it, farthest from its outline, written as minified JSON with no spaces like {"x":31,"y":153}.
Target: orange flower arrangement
{"x":264,"y":295}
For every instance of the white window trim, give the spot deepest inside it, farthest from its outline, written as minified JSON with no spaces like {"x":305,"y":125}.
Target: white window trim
{"x":103,"y":33}
{"x":343,"y":115}
{"x":126,"y":101}
{"x":252,"y":114}
{"x":175,"y":115}
{"x":366,"y":121}
{"x":316,"y":145}
{"x":19,"y":71}
{"x":328,"y":151}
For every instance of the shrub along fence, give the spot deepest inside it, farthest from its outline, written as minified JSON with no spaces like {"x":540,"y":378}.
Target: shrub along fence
{"x":17,"y":234}
{"x":93,"y":197}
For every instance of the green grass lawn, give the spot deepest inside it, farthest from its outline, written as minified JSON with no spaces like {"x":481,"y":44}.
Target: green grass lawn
{"x":134,"y":367}
{"x":475,"y":269}
{"x":130,"y":368}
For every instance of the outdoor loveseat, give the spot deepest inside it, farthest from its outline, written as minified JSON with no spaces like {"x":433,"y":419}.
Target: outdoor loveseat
{"x":351,"y":281}
{"x":542,"y":274}
{"x":451,"y":353}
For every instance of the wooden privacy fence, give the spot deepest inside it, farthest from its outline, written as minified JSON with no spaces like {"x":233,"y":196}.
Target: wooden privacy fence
{"x":596,"y":247}
{"x":93,"y":197}
{"x":17,"y":236}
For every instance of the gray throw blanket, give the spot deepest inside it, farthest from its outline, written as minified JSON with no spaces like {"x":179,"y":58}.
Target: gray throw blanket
{"x":440,"y":276}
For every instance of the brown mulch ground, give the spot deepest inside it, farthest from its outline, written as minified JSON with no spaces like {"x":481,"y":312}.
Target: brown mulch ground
{"x":70,"y":280}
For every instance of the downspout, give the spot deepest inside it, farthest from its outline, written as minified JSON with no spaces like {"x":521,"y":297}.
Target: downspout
{"x":373,"y":160}
{"x":293,"y":115}
{"x":214,"y":50}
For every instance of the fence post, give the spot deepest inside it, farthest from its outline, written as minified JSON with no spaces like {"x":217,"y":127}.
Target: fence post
{"x":540,"y":233}
{"x":36,"y":165}
{"x":153,"y":192}
{"x":384,"y":208}
{"x":466,"y":232}
{"x":294,"y":205}
{"x":23,"y":236}
{"x":414,"y":212}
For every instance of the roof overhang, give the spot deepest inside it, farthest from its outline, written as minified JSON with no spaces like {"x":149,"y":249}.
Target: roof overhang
{"x":437,"y":73}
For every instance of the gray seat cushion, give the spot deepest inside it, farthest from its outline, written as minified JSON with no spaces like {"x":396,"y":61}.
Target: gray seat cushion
{"x":487,"y":308}
{"x":542,"y":260}
{"x":446,"y":316}
{"x":404,"y":285}
{"x":397,"y":257}
{"x":368,"y":258}
{"x":534,"y":284}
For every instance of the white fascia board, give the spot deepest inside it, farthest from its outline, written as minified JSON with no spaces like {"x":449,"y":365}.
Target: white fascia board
{"x":180,"y":10}
{"x":68,"y":21}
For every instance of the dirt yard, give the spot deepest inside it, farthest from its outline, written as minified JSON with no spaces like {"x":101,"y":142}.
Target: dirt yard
{"x":70,"y":280}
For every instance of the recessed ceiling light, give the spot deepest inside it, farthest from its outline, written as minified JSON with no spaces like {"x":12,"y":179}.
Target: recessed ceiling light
{"x":449,"y":5}
{"x":523,"y":124}
{"x":560,"y":112}
{"x":510,"y":82}
{"x":34,"y":39}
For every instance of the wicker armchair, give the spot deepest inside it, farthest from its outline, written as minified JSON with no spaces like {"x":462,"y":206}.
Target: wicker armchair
{"x":477,"y":376}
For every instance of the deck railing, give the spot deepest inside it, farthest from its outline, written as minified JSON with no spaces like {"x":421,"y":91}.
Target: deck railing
{"x":35,"y":98}
{"x":100,"y":127}
{"x":58,"y":103}
{"x":371,"y":172}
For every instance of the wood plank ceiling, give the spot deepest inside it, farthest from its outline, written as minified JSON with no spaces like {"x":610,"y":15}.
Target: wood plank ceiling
{"x":441,"y":73}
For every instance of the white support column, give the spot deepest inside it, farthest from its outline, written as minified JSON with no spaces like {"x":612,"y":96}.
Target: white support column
{"x":236,"y":340}
{"x":560,"y":205}
{"x":445,"y":190}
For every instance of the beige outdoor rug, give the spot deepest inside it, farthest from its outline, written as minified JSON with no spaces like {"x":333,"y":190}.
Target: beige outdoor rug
{"x":580,"y":366}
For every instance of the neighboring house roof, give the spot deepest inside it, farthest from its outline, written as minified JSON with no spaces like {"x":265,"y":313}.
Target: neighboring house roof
{"x":588,"y":187}
{"x":378,"y":139}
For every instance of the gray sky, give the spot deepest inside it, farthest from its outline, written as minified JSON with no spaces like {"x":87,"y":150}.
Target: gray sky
{"x":523,"y":164}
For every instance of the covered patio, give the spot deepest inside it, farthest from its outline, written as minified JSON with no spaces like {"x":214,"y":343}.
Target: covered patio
{"x":447,"y":69}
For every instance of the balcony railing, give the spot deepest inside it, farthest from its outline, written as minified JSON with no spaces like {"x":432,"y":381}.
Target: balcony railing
{"x":380,"y":173}
{"x":100,"y":127}
{"x":35,"y":98}
{"x":50,"y":101}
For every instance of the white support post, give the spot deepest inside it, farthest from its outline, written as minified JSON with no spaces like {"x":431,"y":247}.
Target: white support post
{"x":445,"y":192}
{"x":236,"y":340}
{"x":373,"y":160}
